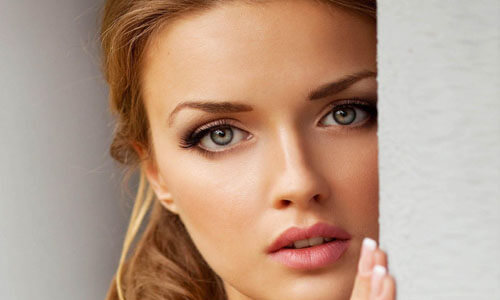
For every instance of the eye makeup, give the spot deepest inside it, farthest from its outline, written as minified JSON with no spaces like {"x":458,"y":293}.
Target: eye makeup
{"x":367,"y":106}
{"x":191,"y":138}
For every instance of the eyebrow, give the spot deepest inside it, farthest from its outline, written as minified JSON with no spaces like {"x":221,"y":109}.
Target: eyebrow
{"x":321,"y":92}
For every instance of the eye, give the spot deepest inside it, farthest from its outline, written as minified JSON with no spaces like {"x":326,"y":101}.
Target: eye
{"x":347,"y":115}
{"x":221,"y":137}
{"x":214,"y":136}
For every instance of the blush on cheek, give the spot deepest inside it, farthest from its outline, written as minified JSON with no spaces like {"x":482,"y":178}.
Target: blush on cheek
{"x":210,"y":205}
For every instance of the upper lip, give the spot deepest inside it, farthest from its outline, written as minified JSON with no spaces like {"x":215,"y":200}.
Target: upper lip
{"x":294,"y":234}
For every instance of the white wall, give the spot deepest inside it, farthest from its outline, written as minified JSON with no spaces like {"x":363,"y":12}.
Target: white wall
{"x":439,"y":131}
{"x":62,"y":217}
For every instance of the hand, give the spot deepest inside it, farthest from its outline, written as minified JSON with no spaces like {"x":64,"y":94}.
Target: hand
{"x":373,"y":281}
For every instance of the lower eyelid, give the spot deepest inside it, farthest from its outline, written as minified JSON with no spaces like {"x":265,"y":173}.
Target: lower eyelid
{"x":210,"y":154}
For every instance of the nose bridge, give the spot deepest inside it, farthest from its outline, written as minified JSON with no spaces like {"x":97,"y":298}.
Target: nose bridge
{"x":297,"y":181}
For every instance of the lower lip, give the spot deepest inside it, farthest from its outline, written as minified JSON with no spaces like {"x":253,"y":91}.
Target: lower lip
{"x":312,"y":257}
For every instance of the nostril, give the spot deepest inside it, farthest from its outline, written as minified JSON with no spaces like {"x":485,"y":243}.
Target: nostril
{"x":285,"y":203}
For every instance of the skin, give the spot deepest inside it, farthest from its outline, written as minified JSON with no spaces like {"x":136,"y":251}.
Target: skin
{"x":281,"y":168}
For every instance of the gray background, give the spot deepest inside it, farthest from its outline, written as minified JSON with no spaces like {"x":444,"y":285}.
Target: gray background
{"x":62,"y":212}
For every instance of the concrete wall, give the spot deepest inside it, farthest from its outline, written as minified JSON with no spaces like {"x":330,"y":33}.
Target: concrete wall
{"x":439,"y":131}
{"x":62,"y":217}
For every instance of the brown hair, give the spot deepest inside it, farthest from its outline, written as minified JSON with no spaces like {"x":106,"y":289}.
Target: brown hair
{"x":165,"y":263}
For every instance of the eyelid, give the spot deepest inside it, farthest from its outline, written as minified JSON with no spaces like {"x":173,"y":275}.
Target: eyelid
{"x":362,"y":103}
{"x":353,"y":101}
{"x":210,"y":125}
{"x":219,"y":122}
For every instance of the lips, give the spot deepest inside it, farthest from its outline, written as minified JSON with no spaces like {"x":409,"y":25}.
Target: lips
{"x":310,"y":258}
{"x":294,"y":234}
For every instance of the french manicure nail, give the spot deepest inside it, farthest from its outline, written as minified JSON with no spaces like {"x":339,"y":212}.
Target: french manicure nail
{"x":366,"y":261}
{"x":369,"y":244}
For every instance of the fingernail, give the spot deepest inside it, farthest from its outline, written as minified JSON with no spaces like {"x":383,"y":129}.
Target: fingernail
{"x":377,"y":277}
{"x":369,"y":244}
{"x":366,"y":260}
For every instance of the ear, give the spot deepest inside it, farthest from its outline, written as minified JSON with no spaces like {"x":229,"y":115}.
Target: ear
{"x":155,"y":179}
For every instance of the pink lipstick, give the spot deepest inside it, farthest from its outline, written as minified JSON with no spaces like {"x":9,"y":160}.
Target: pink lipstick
{"x":310,"y":248}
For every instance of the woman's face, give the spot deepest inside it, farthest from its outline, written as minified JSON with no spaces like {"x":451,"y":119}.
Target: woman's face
{"x":249,"y":142}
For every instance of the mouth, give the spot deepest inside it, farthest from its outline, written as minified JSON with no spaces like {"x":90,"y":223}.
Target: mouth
{"x":310,"y":248}
{"x":307,"y":243}
{"x":318,"y":234}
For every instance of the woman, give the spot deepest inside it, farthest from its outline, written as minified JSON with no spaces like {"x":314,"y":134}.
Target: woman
{"x":254,"y":124}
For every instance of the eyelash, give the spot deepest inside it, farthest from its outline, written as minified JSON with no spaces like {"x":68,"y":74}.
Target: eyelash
{"x":192,"y":138}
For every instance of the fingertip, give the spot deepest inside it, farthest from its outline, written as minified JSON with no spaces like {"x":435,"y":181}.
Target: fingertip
{"x":378,"y":275}
{"x":369,"y":244}
{"x":379,"y":270}
{"x":366,"y":260}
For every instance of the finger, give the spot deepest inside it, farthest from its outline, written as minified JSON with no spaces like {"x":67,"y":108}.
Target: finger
{"x":388,"y":289}
{"x":361,"y":290}
{"x":378,"y":275}
{"x":367,"y":259}
{"x":380,"y":258}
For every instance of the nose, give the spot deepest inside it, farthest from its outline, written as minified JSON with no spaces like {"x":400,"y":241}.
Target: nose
{"x":297,"y":180}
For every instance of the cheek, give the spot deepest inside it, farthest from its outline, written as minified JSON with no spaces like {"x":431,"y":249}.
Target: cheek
{"x":354,"y":184}
{"x":215,"y":204}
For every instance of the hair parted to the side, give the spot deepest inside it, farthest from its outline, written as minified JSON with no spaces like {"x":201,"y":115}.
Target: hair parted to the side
{"x":165,"y":264}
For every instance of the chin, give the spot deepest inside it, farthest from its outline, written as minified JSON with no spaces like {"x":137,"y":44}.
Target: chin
{"x":336,"y":286}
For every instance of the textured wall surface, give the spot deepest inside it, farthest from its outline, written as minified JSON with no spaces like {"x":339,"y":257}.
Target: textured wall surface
{"x":62,"y":218}
{"x":439,"y":131}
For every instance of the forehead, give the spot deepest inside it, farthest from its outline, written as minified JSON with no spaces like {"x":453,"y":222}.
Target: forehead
{"x":238,"y":47}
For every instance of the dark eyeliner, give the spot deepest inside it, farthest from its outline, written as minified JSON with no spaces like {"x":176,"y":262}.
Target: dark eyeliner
{"x":193,"y":136}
